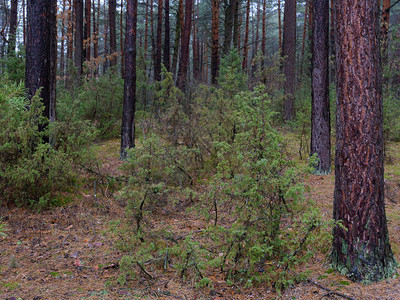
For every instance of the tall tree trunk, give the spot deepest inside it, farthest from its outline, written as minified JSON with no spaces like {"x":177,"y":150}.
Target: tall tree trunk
{"x":62,"y":50}
{"x":303,"y":43}
{"x":95,"y":35}
{"x":280,"y":26}
{"x":23,"y":22}
{"x":194,"y":46}
{"x":157,"y":61}
{"x":41,"y":53}
{"x":289,"y":54}
{"x":332,"y":47}
{"x":78,"y":58}
{"x":167,"y":44}
{"x":385,"y":30}
{"x":88,"y":15}
{"x":106,"y":52}
{"x":128,"y":114}
{"x":184,"y":58}
{"x":320,"y":113}
{"x":236,"y":26}
{"x":13,"y":27}
{"x":146,"y":28}
{"x":246,"y":37}
{"x":70,"y":42}
{"x":263,"y":39}
{"x":112,"y":7}
{"x":179,"y":18}
{"x":361,"y":245}
{"x":228,"y":26}
{"x":214,"y":41}
{"x":121,"y":41}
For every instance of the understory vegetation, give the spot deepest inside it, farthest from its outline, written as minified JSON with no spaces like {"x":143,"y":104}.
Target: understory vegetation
{"x":216,"y":154}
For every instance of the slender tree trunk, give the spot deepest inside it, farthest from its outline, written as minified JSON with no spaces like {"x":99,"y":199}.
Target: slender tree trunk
{"x":361,"y":245}
{"x":157,"y":61}
{"x":320,"y":112}
{"x":112,"y":7}
{"x":280,"y":26}
{"x":70,"y":42}
{"x":246,"y":37}
{"x":121,"y":41}
{"x":236,"y":27}
{"x":184,"y":58}
{"x":88,"y":15}
{"x":289,"y":54}
{"x":23,"y":22}
{"x":303,"y":44}
{"x":105,"y":66}
{"x":167,"y":44}
{"x":13,"y":27}
{"x":332,"y":46}
{"x":214,"y":41}
{"x":62,"y":50}
{"x":385,"y":30}
{"x":195,"y":53}
{"x":263,"y":39}
{"x":179,"y":18}
{"x":228,"y":26}
{"x":95,"y":37}
{"x":78,"y":58}
{"x":41,"y":53}
{"x":128,"y":115}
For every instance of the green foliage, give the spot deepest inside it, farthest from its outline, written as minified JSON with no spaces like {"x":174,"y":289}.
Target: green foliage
{"x":224,"y":141}
{"x":31,"y":171}
{"x":14,"y":66}
{"x":97,"y":103}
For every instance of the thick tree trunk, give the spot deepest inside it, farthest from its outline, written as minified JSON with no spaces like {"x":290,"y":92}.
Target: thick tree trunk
{"x":13,"y":27}
{"x":320,"y":113}
{"x":289,"y":54}
{"x":112,"y":7}
{"x":167,"y":56}
{"x":246,"y":37}
{"x":157,"y":61}
{"x":78,"y":58}
{"x":128,"y":115}
{"x":184,"y":58}
{"x":361,"y":247}
{"x":41,"y":53}
{"x":214,"y":41}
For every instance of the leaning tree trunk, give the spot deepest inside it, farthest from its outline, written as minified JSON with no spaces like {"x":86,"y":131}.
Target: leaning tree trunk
{"x":289,"y":54}
{"x":41,"y":53}
{"x":320,"y":113}
{"x":361,"y":246}
{"x":128,"y":114}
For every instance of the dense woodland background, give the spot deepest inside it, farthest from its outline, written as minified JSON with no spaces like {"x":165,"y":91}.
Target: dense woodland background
{"x":194,"y":126}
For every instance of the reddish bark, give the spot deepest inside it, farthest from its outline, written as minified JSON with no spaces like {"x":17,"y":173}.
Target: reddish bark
{"x":385,"y":29}
{"x":361,"y":245}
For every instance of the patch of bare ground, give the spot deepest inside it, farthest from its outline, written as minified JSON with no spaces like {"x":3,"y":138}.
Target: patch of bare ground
{"x":70,"y":252}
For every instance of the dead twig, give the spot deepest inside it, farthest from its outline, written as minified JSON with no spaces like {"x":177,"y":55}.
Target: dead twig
{"x":144,"y":270}
{"x":330,"y":292}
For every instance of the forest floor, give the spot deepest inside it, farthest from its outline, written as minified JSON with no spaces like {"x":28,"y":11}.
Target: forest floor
{"x":69,"y":252}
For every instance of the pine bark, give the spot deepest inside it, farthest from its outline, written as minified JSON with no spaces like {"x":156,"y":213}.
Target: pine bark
{"x":289,"y":54}
{"x":361,"y":247}
{"x":157,"y":61}
{"x":214,"y":41}
{"x":121,"y":41}
{"x":88,"y":33}
{"x":246,"y":37}
{"x":263,"y":38}
{"x":385,"y":30}
{"x":303,"y":43}
{"x":280,"y":26}
{"x":41,"y":53}
{"x":112,"y":7}
{"x":78,"y":57}
{"x":320,"y":111}
{"x":13,"y":27}
{"x":167,"y":44}
{"x":62,"y":46}
{"x":184,"y":58}
{"x":228,"y":25}
{"x":178,"y":29}
{"x":128,"y":115}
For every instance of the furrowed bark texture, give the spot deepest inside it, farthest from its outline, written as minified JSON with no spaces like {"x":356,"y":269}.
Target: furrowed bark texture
{"x":289,"y":53}
{"x":41,"y":53}
{"x":320,"y":113}
{"x":128,"y":114}
{"x":362,"y":251}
